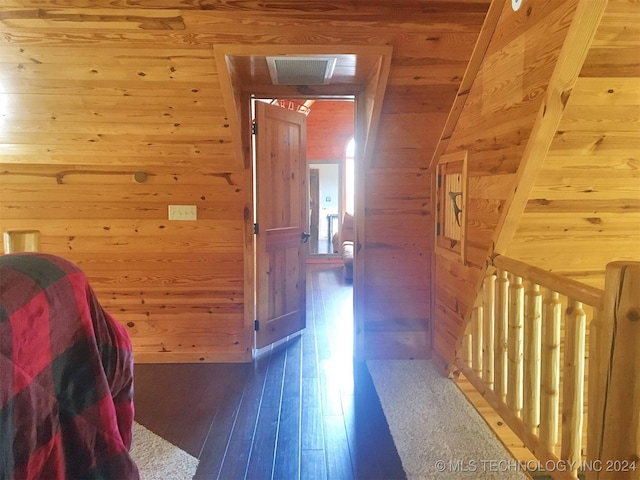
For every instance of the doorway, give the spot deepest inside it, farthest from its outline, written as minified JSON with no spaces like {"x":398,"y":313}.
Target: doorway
{"x":361,"y":73}
{"x":323,"y":131}
{"x":330,"y":133}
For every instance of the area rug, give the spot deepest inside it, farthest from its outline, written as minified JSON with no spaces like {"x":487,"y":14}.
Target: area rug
{"x":438,"y":433}
{"x":158,"y":459}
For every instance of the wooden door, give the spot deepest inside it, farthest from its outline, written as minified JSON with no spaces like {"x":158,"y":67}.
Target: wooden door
{"x":282,"y":215}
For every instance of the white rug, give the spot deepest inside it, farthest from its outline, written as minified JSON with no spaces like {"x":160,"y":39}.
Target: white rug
{"x":438,"y":434}
{"x":158,"y":459}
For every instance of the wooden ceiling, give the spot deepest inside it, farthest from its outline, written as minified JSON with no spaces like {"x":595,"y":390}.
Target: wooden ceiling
{"x":584,"y":207}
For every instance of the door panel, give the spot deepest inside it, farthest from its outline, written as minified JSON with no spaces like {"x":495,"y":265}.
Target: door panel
{"x":282,"y":216}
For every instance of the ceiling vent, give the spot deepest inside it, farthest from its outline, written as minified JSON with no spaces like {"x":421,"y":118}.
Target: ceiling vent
{"x":301,"y":70}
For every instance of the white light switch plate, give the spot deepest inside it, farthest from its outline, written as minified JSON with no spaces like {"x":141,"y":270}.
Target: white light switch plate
{"x":183,"y":212}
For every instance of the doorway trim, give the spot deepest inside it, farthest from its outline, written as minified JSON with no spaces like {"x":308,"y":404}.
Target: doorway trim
{"x":368,"y":94}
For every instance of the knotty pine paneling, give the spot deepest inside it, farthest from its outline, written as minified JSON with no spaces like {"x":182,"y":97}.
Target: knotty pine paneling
{"x":494,"y":127}
{"x":93,"y":94}
{"x":584,"y":209}
{"x":80,"y":119}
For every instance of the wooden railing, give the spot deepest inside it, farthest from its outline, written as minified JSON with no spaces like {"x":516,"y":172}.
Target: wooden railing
{"x":531,"y":362}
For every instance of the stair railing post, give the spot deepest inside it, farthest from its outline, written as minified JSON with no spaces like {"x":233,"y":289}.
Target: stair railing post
{"x":614,"y":378}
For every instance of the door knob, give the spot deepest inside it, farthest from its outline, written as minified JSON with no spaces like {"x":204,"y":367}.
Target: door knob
{"x":305,"y":237}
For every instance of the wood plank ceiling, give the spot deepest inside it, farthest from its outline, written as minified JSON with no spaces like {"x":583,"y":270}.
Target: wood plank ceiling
{"x":584,"y":208}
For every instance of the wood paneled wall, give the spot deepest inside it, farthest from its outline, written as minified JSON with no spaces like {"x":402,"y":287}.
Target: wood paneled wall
{"x":582,"y":206}
{"x":494,"y":128}
{"x":95,"y":97}
{"x":330,"y":127}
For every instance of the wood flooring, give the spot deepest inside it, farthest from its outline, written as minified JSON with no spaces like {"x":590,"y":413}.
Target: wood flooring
{"x":302,"y":410}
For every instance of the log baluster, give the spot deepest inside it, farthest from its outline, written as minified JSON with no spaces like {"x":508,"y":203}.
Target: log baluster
{"x":550,"y":377}
{"x":467,"y":348}
{"x":476,"y":325}
{"x":573,"y":385}
{"x":488,"y":334}
{"x":532,"y":356}
{"x":501,"y":334}
{"x":515,"y":341}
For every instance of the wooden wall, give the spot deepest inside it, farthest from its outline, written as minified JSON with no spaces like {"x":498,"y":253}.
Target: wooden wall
{"x":84,"y":111}
{"x":494,"y":128}
{"x":93,"y":94}
{"x":330,"y":127}
{"x":582,"y":206}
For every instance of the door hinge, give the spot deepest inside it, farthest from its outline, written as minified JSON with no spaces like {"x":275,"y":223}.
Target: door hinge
{"x":256,"y":325}
{"x":439,"y":181}
{"x":438,"y":228}
{"x":254,"y":128}
{"x":256,"y":229}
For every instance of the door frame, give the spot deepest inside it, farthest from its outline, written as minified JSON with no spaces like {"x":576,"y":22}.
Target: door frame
{"x":368,"y":98}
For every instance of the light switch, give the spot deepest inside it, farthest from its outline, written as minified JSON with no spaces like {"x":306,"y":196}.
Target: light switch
{"x":183,"y":212}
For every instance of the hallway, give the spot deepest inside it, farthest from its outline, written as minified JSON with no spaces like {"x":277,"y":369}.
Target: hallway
{"x":303,"y":410}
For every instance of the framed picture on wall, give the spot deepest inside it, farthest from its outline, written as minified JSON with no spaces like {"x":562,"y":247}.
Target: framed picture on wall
{"x":451,"y":194}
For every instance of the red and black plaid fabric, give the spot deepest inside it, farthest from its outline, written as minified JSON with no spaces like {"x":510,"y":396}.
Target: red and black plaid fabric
{"x":66,"y":376}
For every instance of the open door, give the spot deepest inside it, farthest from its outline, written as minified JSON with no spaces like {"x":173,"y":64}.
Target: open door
{"x":281,"y":217}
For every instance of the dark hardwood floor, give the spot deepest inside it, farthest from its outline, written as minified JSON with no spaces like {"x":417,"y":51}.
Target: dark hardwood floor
{"x":303,"y":410}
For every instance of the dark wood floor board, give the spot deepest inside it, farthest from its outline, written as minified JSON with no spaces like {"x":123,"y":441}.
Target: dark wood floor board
{"x":214,"y":451}
{"x":288,"y":442}
{"x":302,"y":410}
{"x":274,"y":382}
{"x":313,"y":465}
{"x":287,"y":458}
{"x":262,"y":456}
{"x":312,"y":423}
{"x":245,"y":422}
{"x":373,"y":453}
{"x":330,"y":385}
{"x":196,"y":421}
{"x":337,"y":449}
{"x":309,"y":353}
{"x":238,"y":450}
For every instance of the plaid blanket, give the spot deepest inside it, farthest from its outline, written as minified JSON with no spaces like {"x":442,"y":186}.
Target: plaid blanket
{"x":66,"y":376}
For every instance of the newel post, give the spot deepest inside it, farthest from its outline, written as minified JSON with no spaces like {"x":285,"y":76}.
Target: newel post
{"x":613,"y":438}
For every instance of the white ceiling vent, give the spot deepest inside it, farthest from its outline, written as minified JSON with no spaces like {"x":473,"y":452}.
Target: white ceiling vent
{"x":301,"y":70}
